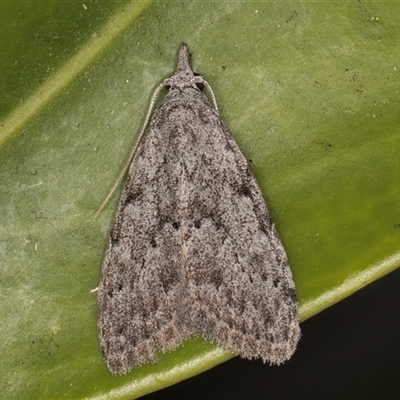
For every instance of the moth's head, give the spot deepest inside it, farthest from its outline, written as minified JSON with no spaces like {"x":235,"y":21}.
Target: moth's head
{"x":184,"y":75}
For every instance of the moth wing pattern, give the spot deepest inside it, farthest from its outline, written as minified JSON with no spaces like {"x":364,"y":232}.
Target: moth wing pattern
{"x":241,"y":286}
{"x":193,"y":249}
{"x":142,"y":280}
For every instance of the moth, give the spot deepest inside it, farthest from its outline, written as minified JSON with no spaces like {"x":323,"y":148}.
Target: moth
{"x":193,"y":249}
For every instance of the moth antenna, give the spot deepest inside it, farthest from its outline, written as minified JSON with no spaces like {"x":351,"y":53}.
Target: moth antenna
{"x":214,"y":100}
{"x":133,"y":152}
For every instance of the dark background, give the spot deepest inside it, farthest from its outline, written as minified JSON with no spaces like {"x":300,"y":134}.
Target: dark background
{"x":348,"y":351}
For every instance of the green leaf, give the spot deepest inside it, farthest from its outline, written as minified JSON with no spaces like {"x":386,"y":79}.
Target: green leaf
{"x":309,"y":90}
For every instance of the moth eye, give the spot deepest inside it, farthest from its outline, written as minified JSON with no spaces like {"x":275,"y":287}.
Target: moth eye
{"x":199,"y":85}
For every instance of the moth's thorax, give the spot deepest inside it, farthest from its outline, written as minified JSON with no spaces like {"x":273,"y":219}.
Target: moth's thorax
{"x":184,"y":97}
{"x":183,"y":79}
